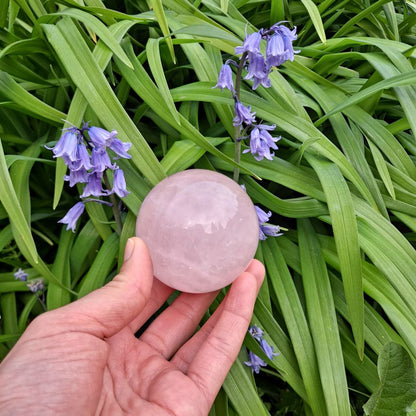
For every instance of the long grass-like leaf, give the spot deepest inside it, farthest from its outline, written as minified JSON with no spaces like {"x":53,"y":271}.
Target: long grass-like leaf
{"x":323,"y":321}
{"x":101,"y":267}
{"x":26,"y":102}
{"x":296,"y":323}
{"x":99,"y":29}
{"x":164,"y":27}
{"x":56,"y":296}
{"x":409,"y":78}
{"x":155,"y":63}
{"x":242,"y":393}
{"x":345,"y":229}
{"x":9,"y":314}
{"x":11,"y":203}
{"x":315,"y":18}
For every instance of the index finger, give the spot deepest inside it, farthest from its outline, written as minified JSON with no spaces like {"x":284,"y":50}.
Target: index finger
{"x":216,"y":355}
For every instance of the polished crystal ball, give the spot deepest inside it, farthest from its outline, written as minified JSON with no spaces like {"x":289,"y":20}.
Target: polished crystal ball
{"x":201,"y":230}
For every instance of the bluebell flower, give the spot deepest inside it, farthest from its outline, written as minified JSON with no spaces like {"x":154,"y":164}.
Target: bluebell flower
{"x":268,"y":349}
{"x":269,"y":230}
{"x":225,"y":78}
{"x":82,"y":161}
{"x":94,"y":186}
{"x":256,"y":332}
{"x":21,"y":275}
{"x":262,"y":216}
{"x":100,"y":160}
{"x":266,"y":229}
{"x":67,"y":144}
{"x":251,"y":44}
{"x":255,"y":362}
{"x":261,"y":142}
{"x":265,"y":81}
{"x":36,"y":285}
{"x":275,"y":51}
{"x":100,"y":136}
{"x":119,"y":184}
{"x":76,"y":176}
{"x":243,"y":114}
{"x":72,"y":216}
{"x":258,"y":70}
{"x":279,"y":45}
{"x":119,"y":148}
{"x":83,"y":157}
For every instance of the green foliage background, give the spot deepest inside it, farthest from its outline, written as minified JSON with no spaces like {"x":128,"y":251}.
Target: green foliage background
{"x":340,"y":283}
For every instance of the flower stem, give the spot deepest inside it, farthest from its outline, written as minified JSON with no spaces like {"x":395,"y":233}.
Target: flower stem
{"x":238,"y":76}
{"x":113,"y":200}
{"x":237,"y":153}
{"x":237,"y":139}
{"x":42,"y":302}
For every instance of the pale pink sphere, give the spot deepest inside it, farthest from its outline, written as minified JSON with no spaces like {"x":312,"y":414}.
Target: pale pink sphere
{"x":201,"y":229}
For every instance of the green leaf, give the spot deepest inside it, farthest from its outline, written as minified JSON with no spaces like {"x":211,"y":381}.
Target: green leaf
{"x":206,"y":30}
{"x":11,"y":203}
{"x":100,"y":29}
{"x":397,"y":389}
{"x":184,"y":153}
{"x":24,"y":46}
{"x":155,"y":63}
{"x":163,"y":23}
{"x":344,"y":224}
{"x":316,"y":19}
{"x":101,"y":267}
{"x":27,"y":102}
{"x":6,"y":236}
{"x":10,"y":159}
{"x":56,"y":296}
{"x":408,"y":78}
{"x":83,"y":251}
{"x":224,"y":6}
{"x":296,"y":323}
{"x":323,"y":321}
{"x":382,"y":169}
{"x":9,"y":315}
{"x":360,"y":16}
{"x":242,"y":393}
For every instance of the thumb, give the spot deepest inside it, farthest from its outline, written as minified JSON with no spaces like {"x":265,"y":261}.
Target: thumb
{"x":109,"y":309}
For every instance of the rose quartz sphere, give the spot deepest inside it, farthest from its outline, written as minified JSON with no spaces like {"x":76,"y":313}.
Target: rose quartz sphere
{"x":201,"y":230}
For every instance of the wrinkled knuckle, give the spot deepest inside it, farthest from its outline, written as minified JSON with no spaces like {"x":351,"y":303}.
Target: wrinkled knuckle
{"x":223,"y":346}
{"x":155,"y":341}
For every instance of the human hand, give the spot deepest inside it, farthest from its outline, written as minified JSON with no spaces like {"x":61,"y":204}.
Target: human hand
{"x":84,"y":358}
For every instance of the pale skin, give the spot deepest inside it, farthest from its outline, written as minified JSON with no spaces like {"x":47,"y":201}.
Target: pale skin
{"x":84,"y":358}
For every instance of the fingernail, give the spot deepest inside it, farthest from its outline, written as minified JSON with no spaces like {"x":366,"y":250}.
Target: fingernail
{"x":128,"y":251}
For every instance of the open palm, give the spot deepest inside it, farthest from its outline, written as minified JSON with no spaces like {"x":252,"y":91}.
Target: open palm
{"x":84,"y":358}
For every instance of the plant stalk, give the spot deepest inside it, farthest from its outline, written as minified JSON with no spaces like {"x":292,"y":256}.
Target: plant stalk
{"x":113,"y":200}
{"x":237,"y":139}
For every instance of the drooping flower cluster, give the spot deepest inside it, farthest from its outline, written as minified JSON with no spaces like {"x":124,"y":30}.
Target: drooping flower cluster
{"x":279,"y":49}
{"x":89,"y":152}
{"x":34,"y":286}
{"x":254,"y":361}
